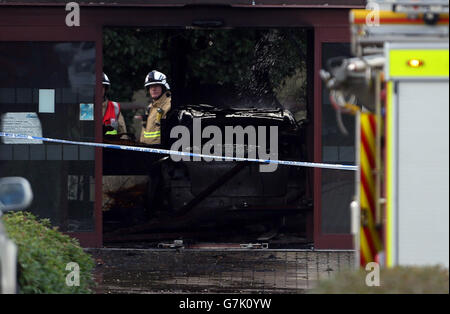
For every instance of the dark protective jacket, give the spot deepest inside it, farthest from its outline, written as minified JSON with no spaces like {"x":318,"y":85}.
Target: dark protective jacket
{"x":156,"y":111}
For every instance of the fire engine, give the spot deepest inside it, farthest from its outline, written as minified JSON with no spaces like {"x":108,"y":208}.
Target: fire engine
{"x":397,"y":84}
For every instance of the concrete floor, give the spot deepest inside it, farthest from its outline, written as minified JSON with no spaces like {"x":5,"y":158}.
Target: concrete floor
{"x":214,"y":271}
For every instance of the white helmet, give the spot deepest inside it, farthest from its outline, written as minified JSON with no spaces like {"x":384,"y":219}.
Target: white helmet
{"x":156,"y":78}
{"x":106,"y":80}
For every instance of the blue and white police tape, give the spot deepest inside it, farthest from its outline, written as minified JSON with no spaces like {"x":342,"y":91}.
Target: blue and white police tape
{"x":180,"y":153}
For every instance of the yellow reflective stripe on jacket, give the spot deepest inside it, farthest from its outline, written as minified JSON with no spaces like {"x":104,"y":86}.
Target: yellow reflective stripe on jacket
{"x":152,"y":134}
{"x":113,"y":132}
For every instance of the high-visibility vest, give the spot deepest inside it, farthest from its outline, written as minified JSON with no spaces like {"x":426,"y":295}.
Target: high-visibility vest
{"x":111,"y":116}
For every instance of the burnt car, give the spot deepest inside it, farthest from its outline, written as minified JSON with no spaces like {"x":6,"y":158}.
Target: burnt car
{"x":198,"y":192}
{"x":209,"y":196}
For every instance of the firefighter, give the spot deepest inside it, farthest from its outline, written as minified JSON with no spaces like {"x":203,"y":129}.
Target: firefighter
{"x":159,"y":91}
{"x":160,"y":103}
{"x":113,"y":121}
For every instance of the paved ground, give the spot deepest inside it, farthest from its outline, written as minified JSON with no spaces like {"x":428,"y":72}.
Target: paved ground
{"x":214,"y":271}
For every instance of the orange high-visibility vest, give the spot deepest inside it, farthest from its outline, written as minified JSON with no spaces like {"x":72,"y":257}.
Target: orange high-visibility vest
{"x":111,"y":116}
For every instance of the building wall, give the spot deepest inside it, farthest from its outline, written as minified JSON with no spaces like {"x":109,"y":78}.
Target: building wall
{"x":19,"y":23}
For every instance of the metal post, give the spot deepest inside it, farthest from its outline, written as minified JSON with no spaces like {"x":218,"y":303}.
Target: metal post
{"x":378,"y":169}
{"x":355,"y":209}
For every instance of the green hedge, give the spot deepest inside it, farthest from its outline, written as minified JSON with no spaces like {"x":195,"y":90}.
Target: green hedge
{"x":43,"y":253}
{"x":404,"y":280}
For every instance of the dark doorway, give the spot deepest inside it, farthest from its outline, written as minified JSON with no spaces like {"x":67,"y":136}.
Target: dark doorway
{"x":229,"y":77}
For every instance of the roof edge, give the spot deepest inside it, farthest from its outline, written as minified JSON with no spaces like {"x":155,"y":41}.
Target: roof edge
{"x":204,"y":3}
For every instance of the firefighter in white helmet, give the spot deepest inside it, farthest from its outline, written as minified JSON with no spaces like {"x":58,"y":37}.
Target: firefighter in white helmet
{"x":113,"y":121}
{"x":159,"y":90}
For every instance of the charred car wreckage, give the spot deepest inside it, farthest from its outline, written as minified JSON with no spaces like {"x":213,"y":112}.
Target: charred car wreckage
{"x":210,"y":199}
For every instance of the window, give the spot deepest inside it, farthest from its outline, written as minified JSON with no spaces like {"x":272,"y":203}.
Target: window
{"x":42,"y":88}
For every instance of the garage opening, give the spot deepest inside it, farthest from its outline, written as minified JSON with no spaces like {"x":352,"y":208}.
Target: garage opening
{"x":222,"y":78}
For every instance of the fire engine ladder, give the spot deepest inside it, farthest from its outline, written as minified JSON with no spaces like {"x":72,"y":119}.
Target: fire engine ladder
{"x":397,"y":21}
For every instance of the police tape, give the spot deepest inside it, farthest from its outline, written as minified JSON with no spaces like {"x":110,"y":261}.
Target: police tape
{"x":180,"y":153}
